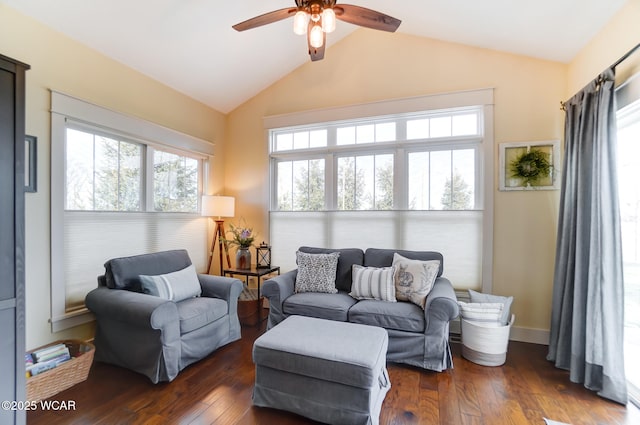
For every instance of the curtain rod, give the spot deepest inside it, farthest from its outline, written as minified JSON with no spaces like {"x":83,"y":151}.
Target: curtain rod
{"x":625,"y":56}
{"x":612,"y":66}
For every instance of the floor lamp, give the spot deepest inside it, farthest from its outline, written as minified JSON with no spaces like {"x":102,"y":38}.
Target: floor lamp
{"x":218,"y":206}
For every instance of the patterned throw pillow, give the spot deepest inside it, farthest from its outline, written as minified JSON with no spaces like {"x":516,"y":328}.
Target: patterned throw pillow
{"x":489,"y":314}
{"x":316,"y":272}
{"x":413,"y":279}
{"x":372,"y":283}
{"x":176,"y":286}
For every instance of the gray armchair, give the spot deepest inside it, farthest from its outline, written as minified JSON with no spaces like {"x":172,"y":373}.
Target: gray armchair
{"x":154,"y":336}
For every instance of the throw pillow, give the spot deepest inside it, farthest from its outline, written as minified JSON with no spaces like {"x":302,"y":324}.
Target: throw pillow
{"x":478,"y":297}
{"x":176,"y":286}
{"x":373,"y":283}
{"x":489,"y":314}
{"x":413,"y":279}
{"x":316,"y":272}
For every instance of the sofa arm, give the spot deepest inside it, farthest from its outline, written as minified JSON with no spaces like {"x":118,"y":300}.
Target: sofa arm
{"x":225,"y":288}
{"x":277,"y":289}
{"x":441,"y":304}
{"x":132,"y":307}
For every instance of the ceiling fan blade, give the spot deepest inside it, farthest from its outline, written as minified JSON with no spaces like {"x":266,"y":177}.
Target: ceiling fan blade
{"x":366,"y":17}
{"x":267,"y":18}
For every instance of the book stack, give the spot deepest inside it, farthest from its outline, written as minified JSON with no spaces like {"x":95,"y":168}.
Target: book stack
{"x":46,"y":358}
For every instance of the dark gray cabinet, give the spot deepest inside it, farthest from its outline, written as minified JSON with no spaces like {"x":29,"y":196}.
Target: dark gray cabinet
{"x":12,"y":314}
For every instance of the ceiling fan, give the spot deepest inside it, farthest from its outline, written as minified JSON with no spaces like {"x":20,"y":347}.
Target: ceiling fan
{"x":316,"y":18}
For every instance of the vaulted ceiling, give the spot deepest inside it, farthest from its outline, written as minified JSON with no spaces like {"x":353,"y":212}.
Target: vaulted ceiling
{"x":190,"y":46}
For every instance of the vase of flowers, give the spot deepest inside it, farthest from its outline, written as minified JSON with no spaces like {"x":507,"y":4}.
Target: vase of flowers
{"x":242,"y":238}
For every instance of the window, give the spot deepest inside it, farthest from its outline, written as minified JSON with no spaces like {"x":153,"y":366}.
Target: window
{"x":116,"y":193}
{"x":102,"y":173}
{"x":365,"y":182}
{"x":442,"y":180}
{"x":628,"y":161}
{"x":405,"y":180}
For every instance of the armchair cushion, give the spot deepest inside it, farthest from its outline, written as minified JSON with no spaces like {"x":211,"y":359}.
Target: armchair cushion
{"x":175,"y":286}
{"x":195,"y":313}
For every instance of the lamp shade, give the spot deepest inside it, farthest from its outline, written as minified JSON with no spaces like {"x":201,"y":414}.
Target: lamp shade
{"x":218,"y":206}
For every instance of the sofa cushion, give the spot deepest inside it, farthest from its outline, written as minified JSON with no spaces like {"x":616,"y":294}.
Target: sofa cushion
{"x":414,"y":279}
{"x":402,"y":316}
{"x":195,"y":313}
{"x":348,"y":257}
{"x":322,"y":306}
{"x":375,"y":257}
{"x":316,"y":272}
{"x":373,"y":283}
{"x":478,"y":297}
{"x":123,"y":273}
{"x":175,"y":286}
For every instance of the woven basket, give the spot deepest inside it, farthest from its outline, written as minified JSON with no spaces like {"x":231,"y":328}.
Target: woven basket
{"x":64,"y":376}
{"x":484,"y":344}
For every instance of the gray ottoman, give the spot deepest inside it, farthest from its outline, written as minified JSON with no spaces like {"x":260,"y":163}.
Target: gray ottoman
{"x":333,"y":372}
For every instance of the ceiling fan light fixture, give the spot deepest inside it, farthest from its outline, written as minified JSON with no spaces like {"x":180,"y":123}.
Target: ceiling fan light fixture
{"x":328,"y":20}
{"x":316,"y":37}
{"x":300,"y":22}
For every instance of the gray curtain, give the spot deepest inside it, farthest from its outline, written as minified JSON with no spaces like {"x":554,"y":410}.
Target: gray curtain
{"x":587,"y":318}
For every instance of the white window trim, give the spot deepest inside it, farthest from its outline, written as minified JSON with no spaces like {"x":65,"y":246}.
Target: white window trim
{"x":63,"y":108}
{"x":482,"y":97}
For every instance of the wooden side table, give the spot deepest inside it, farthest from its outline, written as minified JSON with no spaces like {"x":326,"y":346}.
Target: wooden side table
{"x":258,"y":273}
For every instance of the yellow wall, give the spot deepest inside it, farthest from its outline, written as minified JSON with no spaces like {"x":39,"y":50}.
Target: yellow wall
{"x":614,"y":40}
{"x":370,"y":66}
{"x":64,"y":65}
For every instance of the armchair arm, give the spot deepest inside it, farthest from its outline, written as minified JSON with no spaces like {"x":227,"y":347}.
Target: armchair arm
{"x":441,"y":304}
{"x":225,"y":288}
{"x":132,"y":307}
{"x":277,"y":289}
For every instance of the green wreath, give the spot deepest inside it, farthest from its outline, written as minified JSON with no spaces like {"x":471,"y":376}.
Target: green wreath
{"x":531,"y":166}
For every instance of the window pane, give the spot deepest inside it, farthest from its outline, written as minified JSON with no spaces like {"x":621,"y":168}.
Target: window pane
{"x":175,"y":182}
{"x":106,"y":174}
{"x":365,"y":134}
{"x":386,"y":132}
{"x":459,"y":187}
{"x":384,"y":182}
{"x":301,"y":185}
{"x":301,"y":140}
{"x":79,"y":170}
{"x":284,"y":142}
{"x":346,"y":136}
{"x":102,"y":173}
{"x":440,"y":178}
{"x":418,"y":129}
{"x":418,"y":191}
{"x":317,"y":138}
{"x":465,"y":125}
{"x":284,"y":179}
{"x":440,"y":127}
{"x":130,"y":176}
{"x":365,"y":182}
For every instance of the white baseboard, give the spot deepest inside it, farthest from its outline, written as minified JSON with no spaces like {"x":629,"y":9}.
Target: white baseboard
{"x":532,"y":335}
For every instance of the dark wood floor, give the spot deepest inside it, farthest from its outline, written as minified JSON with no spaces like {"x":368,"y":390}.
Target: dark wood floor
{"x":217,"y":390}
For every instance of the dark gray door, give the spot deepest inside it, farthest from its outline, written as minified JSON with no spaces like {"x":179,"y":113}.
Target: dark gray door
{"x":12,"y":338}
